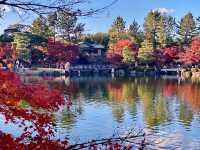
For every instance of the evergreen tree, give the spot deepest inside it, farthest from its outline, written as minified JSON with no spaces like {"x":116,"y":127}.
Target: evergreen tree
{"x":149,"y":44}
{"x":23,"y":43}
{"x":165,"y":31}
{"x":119,"y":25}
{"x":67,"y":26}
{"x":117,"y":31}
{"x":187,"y":28}
{"x":40,"y":27}
{"x":150,"y":28}
{"x":52,"y":23}
{"x":135,"y":32}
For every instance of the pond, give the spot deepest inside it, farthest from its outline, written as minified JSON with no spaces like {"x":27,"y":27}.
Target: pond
{"x":166,"y":108}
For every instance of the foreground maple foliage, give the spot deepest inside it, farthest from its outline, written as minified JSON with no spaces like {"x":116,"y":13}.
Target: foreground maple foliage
{"x":38,"y":127}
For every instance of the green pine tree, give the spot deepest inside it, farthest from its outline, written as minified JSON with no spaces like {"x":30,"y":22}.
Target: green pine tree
{"x":40,"y":27}
{"x":187,"y":28}
{"x":165,"y":31}
{"x":117,"y":31}
{"x":23,"y":43}
{"x":135,"y":32}
{"x":150,"y":28}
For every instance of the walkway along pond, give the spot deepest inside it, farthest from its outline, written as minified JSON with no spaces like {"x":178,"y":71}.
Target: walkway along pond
{"x":105,"y":70}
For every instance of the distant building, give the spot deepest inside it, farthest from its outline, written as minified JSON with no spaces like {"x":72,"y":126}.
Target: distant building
{"x":94,"y":52}
{"x":91,"y":49}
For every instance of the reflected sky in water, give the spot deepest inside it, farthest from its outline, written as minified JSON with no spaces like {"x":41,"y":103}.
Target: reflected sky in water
{"x":166,"y":108}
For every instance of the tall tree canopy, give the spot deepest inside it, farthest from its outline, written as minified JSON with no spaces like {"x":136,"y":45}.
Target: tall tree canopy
{"x":65,"y":25}
{"x":40,"y":27}
{"x":187,"y":28}
{"x":150,"y":36}
{"x":135,"y":32}
{"x":151,"y":26}
{"x":117,"y":30}
{"x":165,"y":31}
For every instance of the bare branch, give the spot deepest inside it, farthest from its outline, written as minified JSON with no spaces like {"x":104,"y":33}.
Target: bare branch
{"x":135,"y":139}
{"x":49,"y":6}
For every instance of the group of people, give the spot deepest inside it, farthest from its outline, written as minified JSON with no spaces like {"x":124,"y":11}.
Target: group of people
{"x":65,"y":67}
{"x":18,"y":66}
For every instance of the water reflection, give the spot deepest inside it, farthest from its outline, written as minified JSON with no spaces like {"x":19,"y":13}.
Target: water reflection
{"x":160,"y":104}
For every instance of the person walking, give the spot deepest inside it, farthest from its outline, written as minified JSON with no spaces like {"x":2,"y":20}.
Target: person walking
{"x":67,"y":68}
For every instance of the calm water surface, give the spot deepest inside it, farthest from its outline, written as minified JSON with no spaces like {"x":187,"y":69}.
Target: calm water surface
{"x":166,"y":108}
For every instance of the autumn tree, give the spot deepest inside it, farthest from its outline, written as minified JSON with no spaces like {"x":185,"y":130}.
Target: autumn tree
{"x":191,"y":54}
{"x":52,"y":23}
{"x":125,"y":49}
{"x":7,"y":54}
{"x":186,"y":28}
{"x":146,"y":52}
{"x":119,"y":25}
{"x":59,"y":52}
{"x":171,"y":54}
{"x":128,"y":56}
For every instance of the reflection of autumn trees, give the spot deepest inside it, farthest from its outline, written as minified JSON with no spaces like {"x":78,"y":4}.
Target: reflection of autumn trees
{"x":190,"y":93}
{"x":122,"y":90}
{"x":185,"y":114}
{"x":186,"y":91}
{"x":155,"y":95}
{"x":169,"y":88}
{"x":154,"y":104}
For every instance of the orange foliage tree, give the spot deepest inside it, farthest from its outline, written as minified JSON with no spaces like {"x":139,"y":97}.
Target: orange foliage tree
{"x":62,"y":52}
{"x":191,"y":54}
{"x":6,"y":53}
{"x":115,"y":52}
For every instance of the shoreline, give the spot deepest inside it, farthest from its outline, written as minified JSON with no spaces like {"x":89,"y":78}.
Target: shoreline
{"x":117,"y":72}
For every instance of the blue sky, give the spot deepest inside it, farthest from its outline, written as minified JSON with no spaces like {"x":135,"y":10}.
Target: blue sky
{"x":128,"y":9}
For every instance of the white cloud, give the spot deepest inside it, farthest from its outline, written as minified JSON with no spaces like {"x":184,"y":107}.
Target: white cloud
{"x":164,"y":10}
{"x":5,"y":8}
